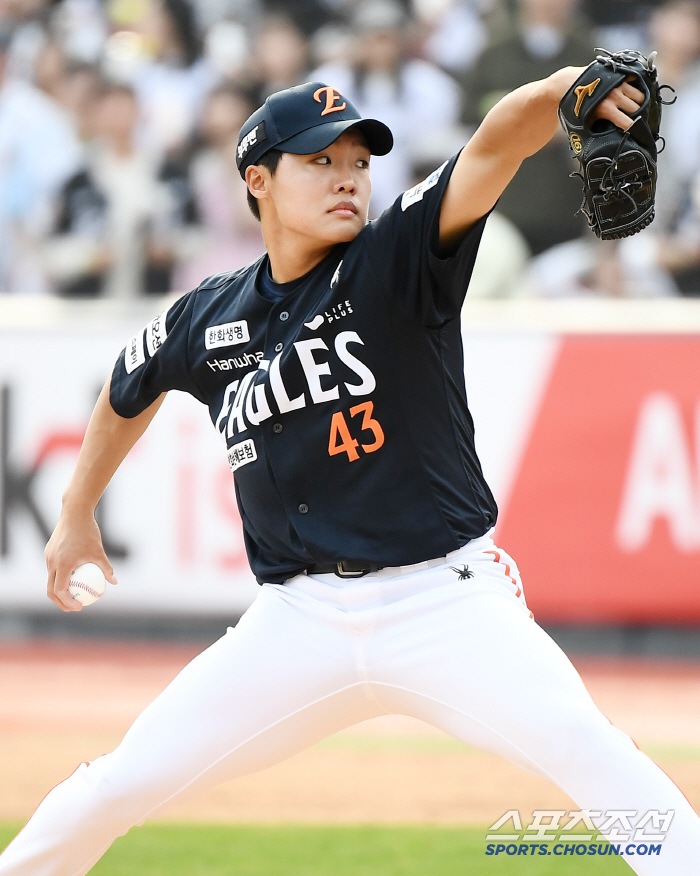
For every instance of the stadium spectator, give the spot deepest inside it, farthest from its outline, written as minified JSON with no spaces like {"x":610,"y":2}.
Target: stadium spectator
{"x":541,"y":200}
{"x":50,"y":69}
{"x":620,"y":24}
{"x":39,"y":149}
{"x":458,"y":35}
{"x":675,"y":33}
{"x":664,"y":259}
{"x":27,"y":22}
{"x":370,"y":50}
{"x":233,"y":237}
{"x":171,"y":88}
{"x":308,"y":15}
{"x":80,"y":27}
{"x":227,"y":51}
{"x":413,"y":97}
{"x":210,"y":12}
{"x":279,"y":59}
{"x":604,"y":269}
{"x":77,"y":94}
{"x":121,"y":226}
{"x":674,"y":238}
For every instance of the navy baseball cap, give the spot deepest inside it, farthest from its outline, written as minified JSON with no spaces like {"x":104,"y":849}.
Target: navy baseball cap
{"x":303,"y":120}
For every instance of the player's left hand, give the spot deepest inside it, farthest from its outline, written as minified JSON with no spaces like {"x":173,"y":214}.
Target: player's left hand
{"x":620,"y":105}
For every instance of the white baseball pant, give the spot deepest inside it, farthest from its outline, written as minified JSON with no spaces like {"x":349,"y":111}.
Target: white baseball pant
{"x":318,"y":654}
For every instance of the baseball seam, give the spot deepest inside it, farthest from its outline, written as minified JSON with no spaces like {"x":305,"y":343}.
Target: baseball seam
{"x":85,"y":587}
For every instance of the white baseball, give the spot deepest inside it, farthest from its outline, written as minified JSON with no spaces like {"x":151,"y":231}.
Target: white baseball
{"x":87,"y":583}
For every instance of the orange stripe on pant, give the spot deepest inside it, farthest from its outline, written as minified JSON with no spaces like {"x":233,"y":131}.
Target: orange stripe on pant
{"x":518,"y":589}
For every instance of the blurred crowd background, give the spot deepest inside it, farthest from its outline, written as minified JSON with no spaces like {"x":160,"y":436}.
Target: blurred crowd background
{"x":119,"y":121}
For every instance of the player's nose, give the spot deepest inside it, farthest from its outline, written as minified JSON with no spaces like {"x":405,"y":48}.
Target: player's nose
{"x":345,"y":183}
{"x":347,"y":187}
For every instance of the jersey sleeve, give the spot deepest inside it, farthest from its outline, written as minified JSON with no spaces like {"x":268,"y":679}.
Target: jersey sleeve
{"x":154,"y":361}
{"x":404,"y":248}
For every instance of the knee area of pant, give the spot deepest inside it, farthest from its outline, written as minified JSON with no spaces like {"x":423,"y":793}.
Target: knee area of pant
{"x":121,"y":803}
{"x":584,"y":736}
{"x":109,"y":793}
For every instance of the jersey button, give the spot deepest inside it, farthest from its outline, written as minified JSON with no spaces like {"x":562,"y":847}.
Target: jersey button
{"x":279,"y":348}
{"x":277,"y":428}
{"x":284,"y":316}
{"x":303,"y":509}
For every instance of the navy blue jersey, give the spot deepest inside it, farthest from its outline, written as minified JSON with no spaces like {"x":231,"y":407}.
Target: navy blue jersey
{"x":342,"y":405}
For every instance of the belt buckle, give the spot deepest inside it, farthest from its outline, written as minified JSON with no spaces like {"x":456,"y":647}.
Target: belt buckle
{"x":342,"y":572}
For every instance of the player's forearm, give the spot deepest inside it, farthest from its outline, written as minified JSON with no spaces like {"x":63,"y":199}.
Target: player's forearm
{"x":518,"y":126}
{"x":526,"y":119}
{"x":108,"y":439}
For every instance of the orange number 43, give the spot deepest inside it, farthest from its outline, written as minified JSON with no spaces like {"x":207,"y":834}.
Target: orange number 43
{"x":341,"y":441}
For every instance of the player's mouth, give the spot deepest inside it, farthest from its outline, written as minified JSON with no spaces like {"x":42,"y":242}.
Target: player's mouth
{"x":344,"y":208}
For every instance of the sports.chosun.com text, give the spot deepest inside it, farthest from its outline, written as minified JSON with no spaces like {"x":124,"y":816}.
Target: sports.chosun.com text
{"x":573,"y":849}
{"x":623,"y":832}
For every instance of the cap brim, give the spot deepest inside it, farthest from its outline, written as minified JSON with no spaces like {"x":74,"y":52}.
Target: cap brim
{"x":379,"y":138}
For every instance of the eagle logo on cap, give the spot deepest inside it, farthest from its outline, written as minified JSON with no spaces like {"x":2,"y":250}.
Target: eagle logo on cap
{"x":331,"y":96}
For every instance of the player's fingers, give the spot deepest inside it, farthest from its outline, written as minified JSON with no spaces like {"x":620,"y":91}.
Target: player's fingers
{"x":107,"y":570}
{"x":634,"y":93}
{"x":626,"y":104}
{"x":51,"y":581}
{"x":608,"y":110}
{"x":50,"y":586}
{"x":63,"y":599}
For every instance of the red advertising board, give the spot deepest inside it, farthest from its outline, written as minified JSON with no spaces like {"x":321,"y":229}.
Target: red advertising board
{"x":604,"y":513}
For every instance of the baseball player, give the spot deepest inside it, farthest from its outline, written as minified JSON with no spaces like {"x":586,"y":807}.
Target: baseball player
{"x":332,"y":369}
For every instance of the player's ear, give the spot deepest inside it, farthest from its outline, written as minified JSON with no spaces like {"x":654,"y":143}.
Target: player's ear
{"x":257,"y":177}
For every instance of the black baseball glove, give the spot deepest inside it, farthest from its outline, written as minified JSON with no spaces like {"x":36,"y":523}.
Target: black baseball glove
{"x":618,"y":168}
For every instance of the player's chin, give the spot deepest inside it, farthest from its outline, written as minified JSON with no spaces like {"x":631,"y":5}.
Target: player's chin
{"x":341,"y":229}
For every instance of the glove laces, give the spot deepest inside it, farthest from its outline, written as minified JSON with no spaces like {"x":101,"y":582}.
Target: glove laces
{"x":617,"y":188}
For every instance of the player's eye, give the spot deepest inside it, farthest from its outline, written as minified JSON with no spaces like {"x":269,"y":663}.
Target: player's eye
{"x":322,"y":159}
{"x":363,"y":163}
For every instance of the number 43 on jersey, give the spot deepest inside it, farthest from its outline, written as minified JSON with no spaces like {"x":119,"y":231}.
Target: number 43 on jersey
{"x":341,"y":440}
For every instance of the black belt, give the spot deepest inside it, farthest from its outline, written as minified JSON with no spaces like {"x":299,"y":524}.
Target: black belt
{"x":344,"y":569}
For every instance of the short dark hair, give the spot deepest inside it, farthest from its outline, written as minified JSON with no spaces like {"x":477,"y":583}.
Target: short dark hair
{"x":270,"y":160}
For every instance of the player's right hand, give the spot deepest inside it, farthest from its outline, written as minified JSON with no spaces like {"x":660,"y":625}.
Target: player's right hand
{"x":76,"y":540}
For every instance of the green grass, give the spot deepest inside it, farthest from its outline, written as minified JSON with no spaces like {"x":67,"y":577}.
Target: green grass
{"x":672,"y":751}
{"x":290,"y":850}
